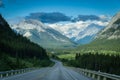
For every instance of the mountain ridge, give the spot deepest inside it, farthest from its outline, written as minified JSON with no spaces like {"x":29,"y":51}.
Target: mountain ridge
{"x":41,"y":34}
{"x":108,"y":39}
{"x":112,"y":30}
{"x":71,"y":28}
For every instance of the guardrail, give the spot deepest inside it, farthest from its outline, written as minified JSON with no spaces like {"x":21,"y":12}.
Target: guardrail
{"x":14,"y":72}
{"x":97,"y":75}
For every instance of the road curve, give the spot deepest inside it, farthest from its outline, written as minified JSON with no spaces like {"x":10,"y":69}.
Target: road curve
{"x":57,"y":72}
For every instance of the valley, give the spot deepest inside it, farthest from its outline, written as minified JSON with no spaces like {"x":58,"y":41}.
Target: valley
{"x":59,"y":40}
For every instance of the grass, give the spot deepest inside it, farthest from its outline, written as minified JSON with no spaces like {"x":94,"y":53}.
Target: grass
{"x":71,"y":56}
{"x":67,"y":56}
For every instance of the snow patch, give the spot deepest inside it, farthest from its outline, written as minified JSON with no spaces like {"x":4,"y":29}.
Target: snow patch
{"x":73,"y":29}
{"x":27,"y":34}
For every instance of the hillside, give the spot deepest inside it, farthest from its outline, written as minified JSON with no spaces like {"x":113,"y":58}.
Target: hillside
{"x":41,"y":34}
{"x":108,"y":39}
{"x":17,"y":51}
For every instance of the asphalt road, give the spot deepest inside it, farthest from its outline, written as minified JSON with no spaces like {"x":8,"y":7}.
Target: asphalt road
{"x":57,"y":72}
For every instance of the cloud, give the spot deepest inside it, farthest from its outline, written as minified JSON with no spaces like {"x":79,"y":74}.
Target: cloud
{"x":86,"y":17}
{"x":55,"y":17}
{"x":49,"y":17}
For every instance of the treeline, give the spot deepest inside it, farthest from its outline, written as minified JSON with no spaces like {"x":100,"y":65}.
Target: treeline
{"x":99,"y":62}
{"x":17,"y":51}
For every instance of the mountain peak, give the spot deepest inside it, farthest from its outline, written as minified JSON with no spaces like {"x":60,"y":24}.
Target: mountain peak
{"x":30,"y":24}
{"x":33,"y":21}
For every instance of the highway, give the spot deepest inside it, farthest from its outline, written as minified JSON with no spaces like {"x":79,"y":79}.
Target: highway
{"x":57,"y":72}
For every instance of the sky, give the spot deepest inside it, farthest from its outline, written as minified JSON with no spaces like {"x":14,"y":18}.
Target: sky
{"x":21,"y":8}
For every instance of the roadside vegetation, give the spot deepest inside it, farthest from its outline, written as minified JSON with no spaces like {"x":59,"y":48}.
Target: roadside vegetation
{"x":95,"y":61}
{"x":18,"y":52}
{"x":67,"y":56}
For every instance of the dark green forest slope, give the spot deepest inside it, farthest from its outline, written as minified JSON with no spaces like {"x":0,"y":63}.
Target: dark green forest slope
{"x":17,"y":51}
{"x":97,"y":61}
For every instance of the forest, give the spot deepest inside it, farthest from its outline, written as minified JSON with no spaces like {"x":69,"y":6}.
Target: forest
{"x":17,"y":51}
{"x":96,"y":61}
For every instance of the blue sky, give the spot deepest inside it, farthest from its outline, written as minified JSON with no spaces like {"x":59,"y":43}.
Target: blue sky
{"x":16,"y":8}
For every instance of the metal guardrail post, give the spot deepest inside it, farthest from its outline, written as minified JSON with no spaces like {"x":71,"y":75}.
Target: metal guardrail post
{"x":7,"y":74}
{"x":93,"y":76}
{"x":15,"y":72}
{"x":98,"y":77}
{"x":22,"y":70}
{"x":85,"y":74}
{"x":104,"y":78}
{"x":89,"y":74}
{"x":11,"y":73}
{"x":1,"y":75}
{"x":19,"y":72}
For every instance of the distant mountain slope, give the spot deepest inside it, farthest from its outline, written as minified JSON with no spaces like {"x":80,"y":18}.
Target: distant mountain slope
{"x":81,"y":32}
{"x":112,"y":31}
{"x":88,"y":34}
{"x":41,"y":34}
{"x":108,"y":38}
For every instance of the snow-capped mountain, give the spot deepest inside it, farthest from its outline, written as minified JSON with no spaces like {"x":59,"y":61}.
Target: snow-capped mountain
{"x":81,"y":29}
{"x":81,"y":32}
{"x":41,"y":34}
